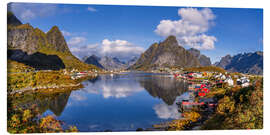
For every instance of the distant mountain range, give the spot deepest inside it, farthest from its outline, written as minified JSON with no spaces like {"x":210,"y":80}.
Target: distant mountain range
{"x":109,"y":63}
{"x":251,"y":63}
{"x":40,"y":50}
{"x":166,"y":54}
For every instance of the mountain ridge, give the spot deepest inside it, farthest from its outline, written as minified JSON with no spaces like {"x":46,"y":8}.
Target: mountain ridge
{"x":109,"y":63}
{"x":251,"y":63}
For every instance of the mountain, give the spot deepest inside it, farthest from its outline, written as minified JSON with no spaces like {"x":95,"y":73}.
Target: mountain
{"x":165,"y":89}
{"x":132,"y":61}
{"x":106,"y":62}
{"x":226,"y":60}
{"x":93,"y":59}
{"x":251,"y":63}
{"x":12,"y":20}
{"x":204,"y":60}
{"x":26,"y":43}
{"x":165,"y":54}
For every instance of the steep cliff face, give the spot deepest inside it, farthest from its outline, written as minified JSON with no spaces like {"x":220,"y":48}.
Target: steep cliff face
{"x":32,"y":41}
{"x":251,"y":63}
{"x":56,"y":40}
{"x":166,"y":54}
{"x":23,"y":37}
{"x":204,"y":60}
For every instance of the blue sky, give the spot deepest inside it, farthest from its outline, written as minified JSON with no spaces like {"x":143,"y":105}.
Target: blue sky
{"x":127,"y":31}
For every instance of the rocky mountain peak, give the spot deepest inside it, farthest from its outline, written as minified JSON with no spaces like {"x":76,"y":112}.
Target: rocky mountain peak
{"x":227,"y":57}
{"x":204,"y":60}
{"x":224,"y":61}
{"x":195,"y":52}
{"x":93,"y":59}
{"x":12,"y":19}
{"x":171,"y":40}
{"x":165,"y":54}
{"x":56,"y":40}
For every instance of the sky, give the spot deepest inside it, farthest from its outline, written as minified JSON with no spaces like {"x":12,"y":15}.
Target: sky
{"x":127,"y":31}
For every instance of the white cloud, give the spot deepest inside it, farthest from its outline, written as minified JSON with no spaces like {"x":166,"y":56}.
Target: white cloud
{"x":28,"y":11}
{"x":28,"y":14}
{"x":119,"y":47}
{"x":114,"y":48}
{"x":76,"y":41}
{"x":92,"y":9}
{"x":66,"y":33}
{"x":190,"y":29}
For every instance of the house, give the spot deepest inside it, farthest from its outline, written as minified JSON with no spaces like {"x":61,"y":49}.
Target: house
{"x":223,"y":77}
{"x":229,"y":80}
{"x":243,"y":81}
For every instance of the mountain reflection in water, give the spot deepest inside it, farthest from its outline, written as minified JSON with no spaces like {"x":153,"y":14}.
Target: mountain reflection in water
{"x":56,"y":102}
{"x":118,"y":103}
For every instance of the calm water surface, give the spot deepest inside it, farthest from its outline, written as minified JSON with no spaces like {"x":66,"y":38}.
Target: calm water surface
{"x":119,"y":102}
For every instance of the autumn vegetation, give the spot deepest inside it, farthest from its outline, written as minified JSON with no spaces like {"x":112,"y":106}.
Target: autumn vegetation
{"x":238,"y":108}
{"x":21,"y":120}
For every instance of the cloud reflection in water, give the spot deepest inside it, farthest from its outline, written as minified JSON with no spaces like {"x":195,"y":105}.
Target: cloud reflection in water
{"x":115,"y":88}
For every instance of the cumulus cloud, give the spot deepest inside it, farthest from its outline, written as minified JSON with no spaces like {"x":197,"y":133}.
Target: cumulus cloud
{"x":76,"y":41}
{"x":121,"y":49}
{"x":190,"y":29}
{"x":28,"y":11}
{"x":91,"y":9}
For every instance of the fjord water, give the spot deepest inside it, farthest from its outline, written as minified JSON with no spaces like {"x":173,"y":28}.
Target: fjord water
{"x":122,"y":102}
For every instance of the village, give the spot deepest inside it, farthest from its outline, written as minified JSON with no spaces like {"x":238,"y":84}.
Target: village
{"x":203,"y":87}
{"x":201,"y":83}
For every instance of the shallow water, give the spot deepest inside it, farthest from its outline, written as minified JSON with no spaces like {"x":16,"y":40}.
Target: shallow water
{"x":118,"y":103}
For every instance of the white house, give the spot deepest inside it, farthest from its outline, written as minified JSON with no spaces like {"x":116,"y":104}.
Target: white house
{"x":229,"y":81}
